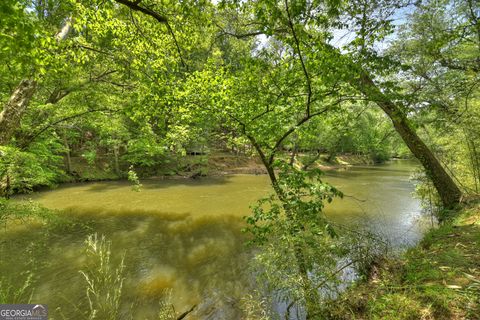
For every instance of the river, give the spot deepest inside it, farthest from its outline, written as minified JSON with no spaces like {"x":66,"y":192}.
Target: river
{"x":182,"y":239}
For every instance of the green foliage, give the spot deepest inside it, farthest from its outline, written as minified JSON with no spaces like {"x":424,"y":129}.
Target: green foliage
{"x":145,"y":152}
{"x":438,"y":47}
{"x":396,"y":306}
{"x":132,"y":177}
{"x":289,"y":223}
{"x":140,"y":91}
{"x":21,"y":171}
{"x":17,"y":42}
{"x":23,"y":211}
{"x":302,"y":199}
{"x":355,"y":129}
{"x":124,"y":87}
{"x":90,"y":156}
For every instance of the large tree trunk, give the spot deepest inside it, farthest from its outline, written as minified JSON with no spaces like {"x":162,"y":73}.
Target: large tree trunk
{"x":14,"y":109}
{"x":448,"y":191}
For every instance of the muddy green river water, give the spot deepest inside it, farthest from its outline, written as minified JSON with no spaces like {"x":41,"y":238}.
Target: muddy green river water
{"x":182,"y":238}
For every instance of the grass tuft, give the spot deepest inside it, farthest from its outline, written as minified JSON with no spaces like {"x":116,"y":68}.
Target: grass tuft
{"x":104,"y":279}
{"x":438,"y":279}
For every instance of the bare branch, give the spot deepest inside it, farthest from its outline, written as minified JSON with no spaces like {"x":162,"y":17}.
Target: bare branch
{"x":94,"y":50}
{"x":448,"y":63}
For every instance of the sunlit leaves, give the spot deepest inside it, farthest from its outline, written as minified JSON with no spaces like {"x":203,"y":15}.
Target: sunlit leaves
{"x":24,"y":170}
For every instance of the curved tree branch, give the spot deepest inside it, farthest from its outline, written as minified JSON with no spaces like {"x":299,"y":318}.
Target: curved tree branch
{"x":292,"y":130}
{"x":35,"y":135}
{"x":302,"y":62}
{"x":134,"y":5}
{"x":160,"y":18}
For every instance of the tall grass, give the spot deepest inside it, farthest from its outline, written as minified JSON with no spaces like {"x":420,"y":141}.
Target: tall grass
{"x":11,"y":294}
{"x":105,"y":284}
{"x":104,"y":279}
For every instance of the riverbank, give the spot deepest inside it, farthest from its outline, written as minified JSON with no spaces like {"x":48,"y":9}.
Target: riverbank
{"x":437,"y":279}
{"x":218,"y":164}
{"x":181,"y":231}
{"x":170,"y":167}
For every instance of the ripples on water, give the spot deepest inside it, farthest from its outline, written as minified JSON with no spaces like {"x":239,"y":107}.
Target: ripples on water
{"x":183,"y":237}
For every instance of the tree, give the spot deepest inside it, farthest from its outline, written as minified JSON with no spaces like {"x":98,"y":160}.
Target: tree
{"x":440,"y":49}
{"x":372,"y":21}
{"x":356,"y":64}
{"x":446,"y":187}
{"x":15,"y":37}
{"x":14,"y":109}
{"x":19,"y":100}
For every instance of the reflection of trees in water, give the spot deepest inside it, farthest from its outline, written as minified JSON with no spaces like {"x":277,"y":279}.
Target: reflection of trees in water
{"x":193,"y":259}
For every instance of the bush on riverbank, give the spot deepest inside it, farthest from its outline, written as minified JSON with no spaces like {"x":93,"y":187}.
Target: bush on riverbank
{"x":21,"y":211}
{"x":188,"y":166}
{"x":438,"y":279}
{"x":23,"y":170}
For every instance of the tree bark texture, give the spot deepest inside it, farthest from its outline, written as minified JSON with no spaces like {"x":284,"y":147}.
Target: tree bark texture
{"x":15,"y":107}
{"x":448,"y":191}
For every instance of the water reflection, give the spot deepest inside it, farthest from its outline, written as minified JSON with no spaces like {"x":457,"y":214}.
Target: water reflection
{"x":183,"y":237}
{"x":191,"y":257}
